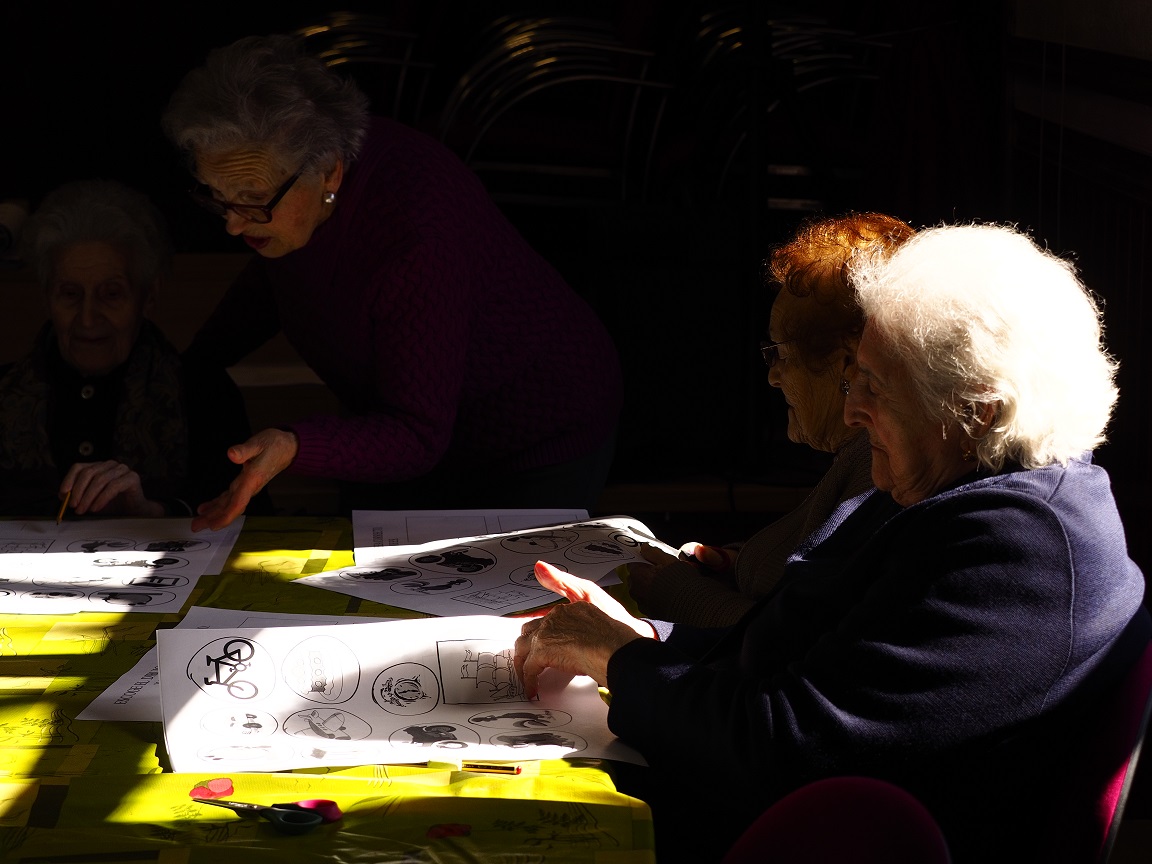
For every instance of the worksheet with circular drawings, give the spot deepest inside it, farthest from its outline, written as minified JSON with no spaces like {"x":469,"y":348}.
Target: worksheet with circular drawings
{"x":123,"y":565}
{"x":414,"y":691}
{"x":489,"y":574}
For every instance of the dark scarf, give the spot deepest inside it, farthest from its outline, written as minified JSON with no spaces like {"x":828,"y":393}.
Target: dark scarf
{"x":151,"y":431}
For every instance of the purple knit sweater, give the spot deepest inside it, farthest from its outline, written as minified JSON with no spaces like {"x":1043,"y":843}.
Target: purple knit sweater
{"x":446,"y":338}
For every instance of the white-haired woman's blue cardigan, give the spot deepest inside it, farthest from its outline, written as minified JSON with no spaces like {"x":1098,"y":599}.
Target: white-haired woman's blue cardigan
{"x":948,"y":647}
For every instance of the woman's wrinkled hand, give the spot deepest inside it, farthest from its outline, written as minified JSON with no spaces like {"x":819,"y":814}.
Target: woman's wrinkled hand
{"x":577,"y":638}
{"x":262,"y":456}
{"x":107,"y":489}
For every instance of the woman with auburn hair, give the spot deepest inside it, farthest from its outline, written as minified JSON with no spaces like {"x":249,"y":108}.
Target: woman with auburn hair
{"x":815,"y":327}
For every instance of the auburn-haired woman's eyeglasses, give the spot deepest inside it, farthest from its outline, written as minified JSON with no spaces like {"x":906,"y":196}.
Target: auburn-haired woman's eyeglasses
{"x":770,"y":351}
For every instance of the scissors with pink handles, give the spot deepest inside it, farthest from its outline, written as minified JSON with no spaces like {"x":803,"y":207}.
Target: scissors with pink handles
{"x":298,"y":817}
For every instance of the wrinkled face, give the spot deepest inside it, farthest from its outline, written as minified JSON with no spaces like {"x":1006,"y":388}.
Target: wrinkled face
{"x":253,"y":177}
{"x":911,"y":457}
{"x":95,"y":310}
{"x":815,"y":401}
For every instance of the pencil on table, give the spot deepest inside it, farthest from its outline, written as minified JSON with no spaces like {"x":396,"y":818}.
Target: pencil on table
{"x":63,"y":507}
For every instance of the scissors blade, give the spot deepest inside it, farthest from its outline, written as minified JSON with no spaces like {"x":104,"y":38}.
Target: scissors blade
{"x":286,"y":821}
{"x":248,"y":811}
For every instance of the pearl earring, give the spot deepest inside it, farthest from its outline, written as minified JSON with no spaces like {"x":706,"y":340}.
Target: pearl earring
{"x":329,"y":197}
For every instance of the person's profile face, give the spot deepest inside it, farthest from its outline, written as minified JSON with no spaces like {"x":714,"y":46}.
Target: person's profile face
{"x":815,"y":402}
{"x":253,"y":177}
{"x":911,"y":458}
{"x":95,"y":309}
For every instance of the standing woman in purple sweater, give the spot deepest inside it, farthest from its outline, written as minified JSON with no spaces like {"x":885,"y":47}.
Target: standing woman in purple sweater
{"x":470,"y":373}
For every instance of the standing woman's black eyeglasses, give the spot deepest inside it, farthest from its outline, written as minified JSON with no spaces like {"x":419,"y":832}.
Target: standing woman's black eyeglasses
{"x":259,"y":213}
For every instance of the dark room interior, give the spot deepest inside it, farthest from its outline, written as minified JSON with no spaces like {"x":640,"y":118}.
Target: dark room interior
{"x":659,"y":184}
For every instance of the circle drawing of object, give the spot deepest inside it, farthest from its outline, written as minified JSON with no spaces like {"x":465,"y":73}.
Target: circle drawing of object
{"x":441,"y":736}
{"x":167,"y":562}
{"x":32,"y":546}
{"x":233,"y":668}
{"x":245,"y":724}
{"x":100,"y":544}
{"x":407,"y":689}
{"x":625,"y":540}
{"x":329,"y":724}
{"x":526,"y":575}
{"x":171,"y":545}
{"x":134,"y":598}
{"x":461,"y":559}
{"x":432,"y":586}
{"x":596,"y":552}
{"x":156,"y":580}
{"x":377,"y":574}
{"x":58,"y":594}
{"x":91,"y":580}
{"x":539,"y":543}
{"x":518,"y":740}
{"x":521,"y":718}
{"x":322,"y":669}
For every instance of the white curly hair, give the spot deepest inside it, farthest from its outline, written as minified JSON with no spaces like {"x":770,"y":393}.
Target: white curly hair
{"x":981,"y":315}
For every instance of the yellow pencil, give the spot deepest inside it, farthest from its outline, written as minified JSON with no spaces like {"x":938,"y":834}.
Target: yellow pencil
{"x":63,"y":507}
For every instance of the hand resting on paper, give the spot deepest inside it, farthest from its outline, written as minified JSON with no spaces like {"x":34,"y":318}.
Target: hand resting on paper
{"x":262,"y":456}
{"x":578,"y":637}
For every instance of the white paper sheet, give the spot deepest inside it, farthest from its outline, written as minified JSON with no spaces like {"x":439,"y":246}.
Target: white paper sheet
{"x":404,"y":691}
{"x":488,"y":574}
{"x":135,"y":696}
{"x":126,"y":565}
{"x":375,"y":528}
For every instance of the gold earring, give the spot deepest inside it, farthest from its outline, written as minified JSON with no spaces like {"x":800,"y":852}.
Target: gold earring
{"x":967,"y":453}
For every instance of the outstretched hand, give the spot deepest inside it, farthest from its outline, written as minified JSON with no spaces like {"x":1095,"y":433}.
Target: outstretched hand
{"x":578,"y":637}
{"x":262,"y":456}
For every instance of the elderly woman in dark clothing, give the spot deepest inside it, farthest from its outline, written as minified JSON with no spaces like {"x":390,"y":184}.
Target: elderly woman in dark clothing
{"x":102,"y":411}
{"x":469,"y":372}
{"x":945,"y":631}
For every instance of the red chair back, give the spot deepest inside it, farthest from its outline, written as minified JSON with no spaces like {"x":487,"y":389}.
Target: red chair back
{"x":858,"y":819}
{"x":1083,"y":830}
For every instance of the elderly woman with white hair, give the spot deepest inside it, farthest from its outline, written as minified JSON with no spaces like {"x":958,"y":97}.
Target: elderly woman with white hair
{"x":101,"y":412}
{"x":945,"y":631}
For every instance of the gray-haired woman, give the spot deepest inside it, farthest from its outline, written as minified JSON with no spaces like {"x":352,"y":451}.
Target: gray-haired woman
{"x":102,"y":412}
{"x":470,"y":373}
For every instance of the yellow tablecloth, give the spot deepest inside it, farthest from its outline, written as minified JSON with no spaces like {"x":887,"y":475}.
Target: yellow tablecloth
{"x":89,"y":791}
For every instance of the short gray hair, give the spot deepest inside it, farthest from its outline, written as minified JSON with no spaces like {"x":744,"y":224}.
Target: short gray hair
{"x":981,"y":315}
{"x":98,"y":211}
{"x":265,"y":93}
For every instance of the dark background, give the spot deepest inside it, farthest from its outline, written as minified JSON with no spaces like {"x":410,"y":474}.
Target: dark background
{"x":1036,"y":113}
